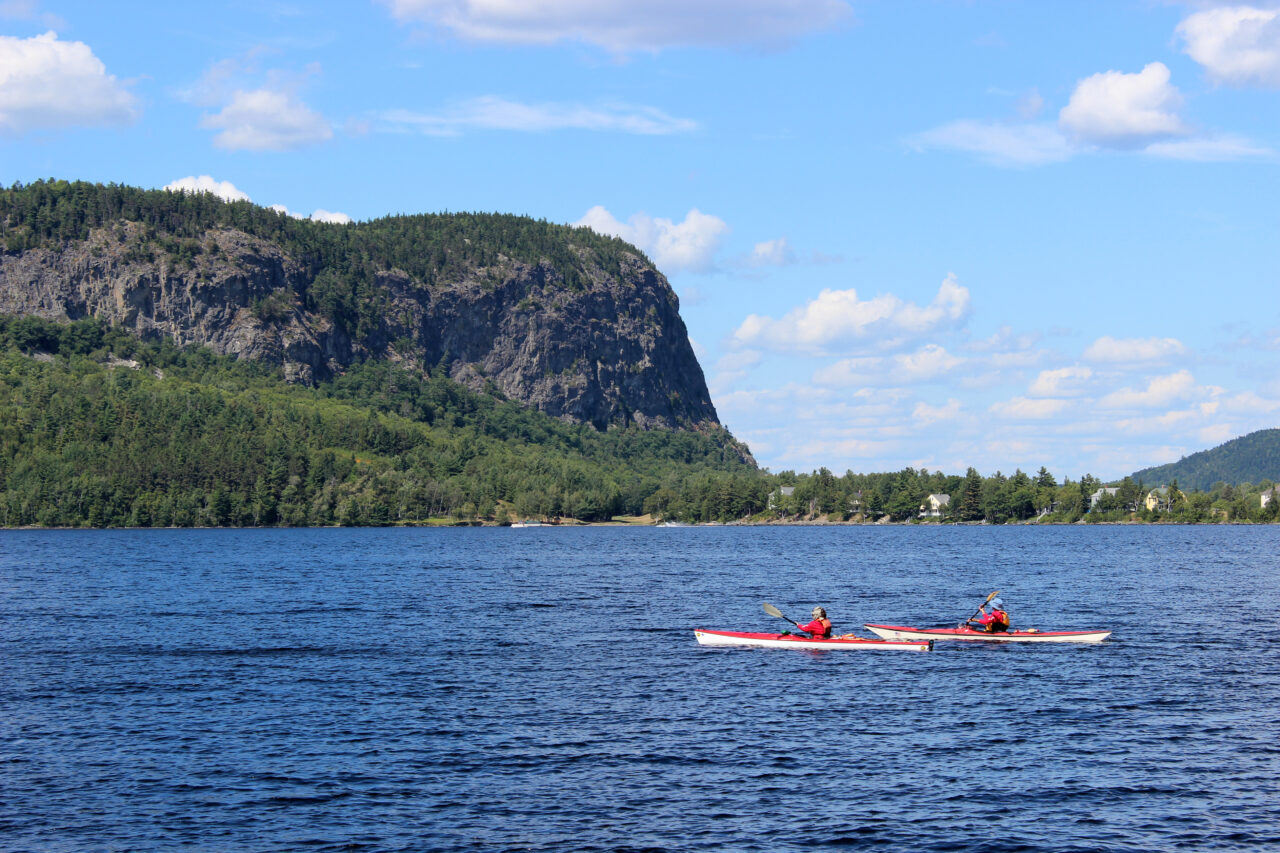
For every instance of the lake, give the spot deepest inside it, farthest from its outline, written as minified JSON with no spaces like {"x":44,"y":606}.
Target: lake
{"x":541,"y":690}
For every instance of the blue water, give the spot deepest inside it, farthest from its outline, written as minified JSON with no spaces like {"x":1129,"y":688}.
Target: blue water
{"x":541,"y":690}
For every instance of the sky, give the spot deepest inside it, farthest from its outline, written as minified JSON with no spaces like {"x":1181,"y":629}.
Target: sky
{"x":940,"y":234}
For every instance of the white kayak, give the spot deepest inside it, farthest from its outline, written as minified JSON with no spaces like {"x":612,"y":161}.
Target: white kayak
{"x":1030,"y":635}
{"x":794,"y":641}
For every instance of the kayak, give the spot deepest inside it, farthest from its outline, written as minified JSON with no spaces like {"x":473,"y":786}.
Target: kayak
{"x":793,"y":641}
{"x":1031,"y":635}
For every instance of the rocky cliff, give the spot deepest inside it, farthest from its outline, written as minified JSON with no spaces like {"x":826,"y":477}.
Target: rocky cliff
{"x":579,"y":326}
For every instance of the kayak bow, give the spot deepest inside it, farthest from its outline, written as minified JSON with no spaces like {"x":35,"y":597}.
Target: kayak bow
{"x":901,"y":632}
{"x":793,"y":641}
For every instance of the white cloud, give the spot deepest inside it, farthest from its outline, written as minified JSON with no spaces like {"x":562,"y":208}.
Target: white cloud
{"x":228,"y":191}
{"x":623,"y":26}
{"x":266,"y":120}
{"x":926,"y":414}
{"x":1209,"y":149}
{"x":332,"y":217}
{"x":1001,"y":144}
{"x":1160,"y":391}
{"x":839,"y":317}
{"x":1026,"y":409}
{"x":1238,"y":45}
{"x":47,"y":84}
{"x":1217,"y":434}
{"x":494,"y":113}
{"x":1062,"y":382}
{"x":1119,"y":110}
{"x":1250,"y":403}
{"x":772,"y":253}
{"x":1134,"y":350}
{"x":224,"y":190}
{"x":690,"y":245}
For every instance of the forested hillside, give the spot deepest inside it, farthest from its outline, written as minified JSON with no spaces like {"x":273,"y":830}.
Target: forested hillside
{"x":98,"y":428}
{"x":1249,"y":459}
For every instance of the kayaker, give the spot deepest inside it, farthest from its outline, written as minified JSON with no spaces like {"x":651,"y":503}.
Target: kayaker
{"x":997,"y":621}
{"x":820,"y":626}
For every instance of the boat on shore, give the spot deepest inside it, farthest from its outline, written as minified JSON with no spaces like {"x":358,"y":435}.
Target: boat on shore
{"x":1030,"y":635}
{"x":529,"y":524}
{"x":794,"y":641}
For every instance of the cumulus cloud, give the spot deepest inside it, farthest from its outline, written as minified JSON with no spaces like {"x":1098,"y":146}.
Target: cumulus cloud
{"x":228,"y":191}
{"x":925,"y":414}
{"x":1062,"y":382}
{"x":49,"y":84}
{"x":689,"y":246}
{"x":839,"y":317}
{"x":266,"y":120}
{"x":1238,"y":45}
{"x":494,"y":113}
{"x":1118,"y":110}
{"x":1133,"y":350}
{"x":331,"y":216}
{"x":224,"y":190}
{"x":999,"y":143}
{"x":624,"y":26}
{"x":1027,"y":409}
{"x":1160,"y":392}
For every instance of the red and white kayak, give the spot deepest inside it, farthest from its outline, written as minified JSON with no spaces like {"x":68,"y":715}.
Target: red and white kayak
{"x":793,"y":641}
{"x":901,"y":632}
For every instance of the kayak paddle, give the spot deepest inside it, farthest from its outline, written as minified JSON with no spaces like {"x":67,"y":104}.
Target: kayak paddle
{"x":773,"y":611}
{"x":982,"y":605}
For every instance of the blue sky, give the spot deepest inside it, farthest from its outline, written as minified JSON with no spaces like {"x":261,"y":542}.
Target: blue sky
{"x":939,"y":234}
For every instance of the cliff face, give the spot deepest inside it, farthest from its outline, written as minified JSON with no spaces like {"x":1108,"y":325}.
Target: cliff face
{"x":601,"y":346}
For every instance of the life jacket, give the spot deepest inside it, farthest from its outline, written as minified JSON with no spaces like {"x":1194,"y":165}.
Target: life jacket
{"x":826,"y":627}
{"x":999,"y":621}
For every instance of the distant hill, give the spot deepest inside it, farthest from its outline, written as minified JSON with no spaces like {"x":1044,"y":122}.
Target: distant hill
{"x":1248,"y":459}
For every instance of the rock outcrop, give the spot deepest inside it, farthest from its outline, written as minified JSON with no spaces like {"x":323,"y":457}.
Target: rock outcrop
{"x":598,"y":345}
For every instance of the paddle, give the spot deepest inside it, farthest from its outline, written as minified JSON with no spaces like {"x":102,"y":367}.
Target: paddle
{"x":773,"y":611}
{"x":980,"y":606}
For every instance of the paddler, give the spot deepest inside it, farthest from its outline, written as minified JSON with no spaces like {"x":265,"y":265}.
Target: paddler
{"x":820,"y":626}
{"x":994,"y":622}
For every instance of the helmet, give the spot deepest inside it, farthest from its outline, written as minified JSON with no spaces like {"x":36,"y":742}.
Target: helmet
{"x":995,"y":602}
{"x":819,"y":613}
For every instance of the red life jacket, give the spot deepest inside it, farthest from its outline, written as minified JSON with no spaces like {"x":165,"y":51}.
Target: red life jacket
{"x":818,"y":627}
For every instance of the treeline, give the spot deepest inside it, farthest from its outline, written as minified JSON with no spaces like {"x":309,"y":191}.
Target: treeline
{"x":1001,"y":499}
{"x":100,"y":429}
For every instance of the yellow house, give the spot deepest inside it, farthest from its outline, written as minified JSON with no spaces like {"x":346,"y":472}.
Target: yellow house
{"x":1158,"y":498}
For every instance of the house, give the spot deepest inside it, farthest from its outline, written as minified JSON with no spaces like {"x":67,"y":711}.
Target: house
{"x":780,"y":492}
{"x":1097,"y":496}
{"x":855,"y":501}
{"x":934,"y":505}
{"x":1269,"y":495}
{"x":1158,"y":498}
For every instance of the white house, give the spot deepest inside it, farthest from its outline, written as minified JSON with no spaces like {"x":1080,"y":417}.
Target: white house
{"x":1269,"y":495}
{"x":1097,"y":496}
{"x":934,"y":505}
{"x":782,"y":491}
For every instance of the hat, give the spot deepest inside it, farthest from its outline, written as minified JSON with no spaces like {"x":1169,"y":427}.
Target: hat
{"x":995,"y":602}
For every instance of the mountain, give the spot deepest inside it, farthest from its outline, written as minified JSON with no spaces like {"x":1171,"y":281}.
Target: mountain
{"x":1251,"y":458}
{"x":579,"y":326}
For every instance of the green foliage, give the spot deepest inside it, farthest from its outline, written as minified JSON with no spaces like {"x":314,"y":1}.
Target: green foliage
{"x":1247,"y":459}
{"x":189,"y":438}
